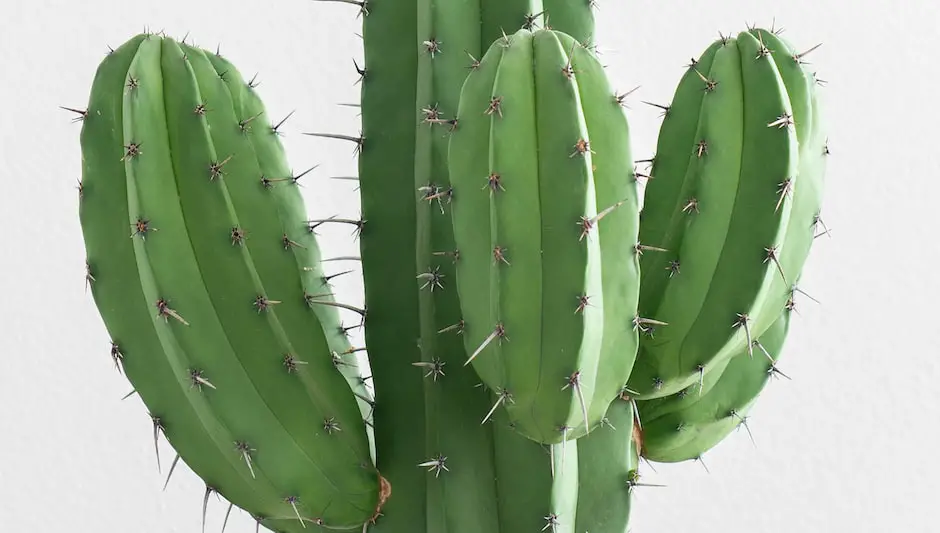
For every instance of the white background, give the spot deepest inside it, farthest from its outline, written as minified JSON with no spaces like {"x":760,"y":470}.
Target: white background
{"x":849,"y":444}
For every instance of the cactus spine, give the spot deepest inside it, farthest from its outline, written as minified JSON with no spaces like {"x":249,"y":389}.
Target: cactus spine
{"x":195,"y":267}
{"x":547,"y":274}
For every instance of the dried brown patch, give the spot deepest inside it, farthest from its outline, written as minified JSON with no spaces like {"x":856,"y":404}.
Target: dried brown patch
{"x":638,"y":438}
{"x":385,"y":491}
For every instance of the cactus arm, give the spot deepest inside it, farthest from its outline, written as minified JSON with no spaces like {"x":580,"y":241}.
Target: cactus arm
{"x":146,"y":125}
{"x":744,"y":274}
{"x":736,"y":383}
{"x":186,"y":418}
{"x":116,"y":284}
{"x":536,"y":316}
{"x":217,"y":389}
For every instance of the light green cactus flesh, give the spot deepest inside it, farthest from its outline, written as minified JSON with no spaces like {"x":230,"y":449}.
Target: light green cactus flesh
{"x":545,"y":218}
{"x":721,"y":205}
{"x":607,"y":467}
{"x":806,"y":223}
{"x":685,"y":426}
{"x":207,"y":278}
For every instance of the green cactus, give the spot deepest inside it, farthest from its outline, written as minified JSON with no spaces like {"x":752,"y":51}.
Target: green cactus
{"x":729,"y":387}
{"x":684,"y":426}
{"x":720,"y":206}
{"x":501,"y":242}
{"x":545,"y":222}
{"x":207,"y":278}
{"x":404,"y":137}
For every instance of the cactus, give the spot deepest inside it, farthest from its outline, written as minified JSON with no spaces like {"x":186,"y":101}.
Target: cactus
{"x":725,"y":208}
{"x":207,"y":279}
{"x":707,"y":411}
{"x":547,"y":274}
{"x":684,"y":426}
{"x":501,"y":242}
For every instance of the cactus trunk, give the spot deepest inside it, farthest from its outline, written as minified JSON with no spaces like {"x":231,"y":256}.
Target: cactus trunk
{"x":417,"y":58}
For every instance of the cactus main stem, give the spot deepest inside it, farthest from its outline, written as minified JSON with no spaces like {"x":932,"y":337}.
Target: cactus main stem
{"x":476,"y":477}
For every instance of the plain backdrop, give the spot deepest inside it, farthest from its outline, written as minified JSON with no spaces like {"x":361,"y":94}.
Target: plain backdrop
{"x":849,"y":444}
